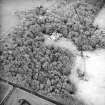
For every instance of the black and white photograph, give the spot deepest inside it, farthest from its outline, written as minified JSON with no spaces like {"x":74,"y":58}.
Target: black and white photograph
{"x":52,"y":52}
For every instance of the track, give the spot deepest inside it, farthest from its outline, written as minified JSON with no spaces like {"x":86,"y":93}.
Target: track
{"x":15,"y":92}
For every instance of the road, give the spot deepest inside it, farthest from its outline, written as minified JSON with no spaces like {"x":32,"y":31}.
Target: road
{"x":11,"y":94}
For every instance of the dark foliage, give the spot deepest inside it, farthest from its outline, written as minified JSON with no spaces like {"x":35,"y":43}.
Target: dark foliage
{"x":25,"y":60}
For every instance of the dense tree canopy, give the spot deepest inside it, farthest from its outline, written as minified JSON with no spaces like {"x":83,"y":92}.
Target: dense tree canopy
{"x":25,"y":60}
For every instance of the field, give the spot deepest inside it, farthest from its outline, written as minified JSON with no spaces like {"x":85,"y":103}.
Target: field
{"x":43,"y":42}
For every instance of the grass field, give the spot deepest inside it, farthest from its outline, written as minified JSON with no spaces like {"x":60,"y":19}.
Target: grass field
{"x":8,"y":8}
